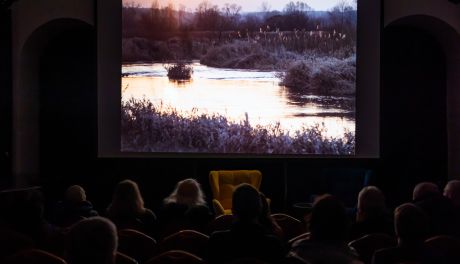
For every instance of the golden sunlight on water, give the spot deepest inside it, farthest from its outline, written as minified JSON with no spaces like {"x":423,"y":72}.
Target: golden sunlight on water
{"x":232,"y":94}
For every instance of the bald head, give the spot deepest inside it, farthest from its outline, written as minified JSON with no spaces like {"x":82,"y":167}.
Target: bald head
{"x":452,"y":191}
{"x":423,"y":190}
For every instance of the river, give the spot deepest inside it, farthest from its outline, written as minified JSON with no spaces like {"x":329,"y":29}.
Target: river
{"x":237,"y":94}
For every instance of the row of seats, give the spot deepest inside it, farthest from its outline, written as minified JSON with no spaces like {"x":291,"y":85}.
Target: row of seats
{"x":188,"y":246}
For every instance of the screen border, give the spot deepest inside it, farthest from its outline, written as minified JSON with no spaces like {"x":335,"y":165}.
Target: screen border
{"x":368,"y":83}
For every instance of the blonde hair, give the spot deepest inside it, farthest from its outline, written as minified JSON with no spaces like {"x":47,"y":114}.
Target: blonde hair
{"x":187,"y":192}
{"x":126,"y":198}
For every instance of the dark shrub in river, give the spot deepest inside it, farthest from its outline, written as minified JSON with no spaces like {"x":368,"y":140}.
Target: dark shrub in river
{"x":326,"y":76}
{"x":179,"y":71}
{"x":298,"y":75}
{"x":149,"y":128}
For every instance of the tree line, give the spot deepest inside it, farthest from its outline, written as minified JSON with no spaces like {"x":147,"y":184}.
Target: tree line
{"x":153,"y":22}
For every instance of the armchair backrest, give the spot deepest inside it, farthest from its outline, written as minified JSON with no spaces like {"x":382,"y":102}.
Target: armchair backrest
{"x":225,"y":181}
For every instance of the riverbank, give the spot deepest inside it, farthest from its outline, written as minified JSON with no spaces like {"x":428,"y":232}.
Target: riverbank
{"x":149,"y":128}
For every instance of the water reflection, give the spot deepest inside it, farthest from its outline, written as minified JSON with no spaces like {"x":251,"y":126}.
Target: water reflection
{"x":233,"y":93}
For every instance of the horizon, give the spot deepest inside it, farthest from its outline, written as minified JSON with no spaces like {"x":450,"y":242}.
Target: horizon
{"x":256,"y":6}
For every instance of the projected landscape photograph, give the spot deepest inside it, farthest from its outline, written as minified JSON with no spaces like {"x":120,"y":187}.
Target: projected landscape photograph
{"x":239,"y":77}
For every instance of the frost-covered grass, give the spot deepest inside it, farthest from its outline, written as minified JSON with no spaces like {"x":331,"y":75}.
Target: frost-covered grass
{"x":150,"y":128}
{"x":247,"y":55}
{"x":307,"y":72}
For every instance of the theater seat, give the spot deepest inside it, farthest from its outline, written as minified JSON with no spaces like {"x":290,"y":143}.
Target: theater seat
{"x":121,"y":258}
{"x":223,"y":183}
{"x":175,"y":257}
{"x":446,"y":249}
{"x":291,"y":226}
{"x":367,"y":245}
{"x":136,"y":244}
{"x":221,"y":223}
{"x":186,"y":240}
{"x":33,"y":256}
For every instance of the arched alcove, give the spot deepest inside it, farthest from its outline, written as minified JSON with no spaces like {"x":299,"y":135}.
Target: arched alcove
{"x":419,"y":62}
{"x":57,"y":57}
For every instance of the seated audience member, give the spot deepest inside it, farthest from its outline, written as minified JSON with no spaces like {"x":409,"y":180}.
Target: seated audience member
{"x":266,"y":220}
{"x":23,"y":212}
{"x":74,"y":207}
{"x":424,"y":190}
{"x":92,"y":240}
{"x":452,"y":192}
{"x":185,"y":208}
{"x":127,"y":209}
{"x":372,"y":215}
{"x":437,"y":208}
{"x":246,"y":238}
{"x":329,"y":227}
{"x":411,"y":227}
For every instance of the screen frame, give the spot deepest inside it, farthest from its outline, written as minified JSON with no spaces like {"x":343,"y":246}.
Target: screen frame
{"x":367,"y":116}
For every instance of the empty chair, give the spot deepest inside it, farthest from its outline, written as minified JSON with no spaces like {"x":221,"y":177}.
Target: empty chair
{"x":291,"y":227}
{"x":136,"y":244}
{"x":445,"y":249}
{"x":222,"y":222}
{"x":33,"y":256}
{"x":368,"y":244}
{"x":186,"y":240}
{"x":121,"y":258}
{"x":225,"y":181}
{"x":175,"y":257}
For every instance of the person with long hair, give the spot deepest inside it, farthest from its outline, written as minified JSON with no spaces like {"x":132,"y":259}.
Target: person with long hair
{"x":127,"y":209}
{"x":187,"y":192}
{"x":185,"y":208}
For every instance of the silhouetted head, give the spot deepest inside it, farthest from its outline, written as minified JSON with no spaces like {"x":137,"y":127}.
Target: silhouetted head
{"x":92,"y":240}
{"x":329,"y":221}
{"x":246,"y":203}
{"x":126,"y":199}
{"x":371,"y":202}
{"x":424,"y":190}
{"x":411,"y":224}
{"x":187,"y":192}
{"x":75,"y":194}
{"x":452,"y":191}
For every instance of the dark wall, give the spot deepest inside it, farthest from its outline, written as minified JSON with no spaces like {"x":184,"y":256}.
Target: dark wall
{"x":5,"y":96}
{"x":414,"y":125}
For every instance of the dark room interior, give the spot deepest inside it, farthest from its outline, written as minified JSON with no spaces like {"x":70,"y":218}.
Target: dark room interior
{"x":51,"y":69}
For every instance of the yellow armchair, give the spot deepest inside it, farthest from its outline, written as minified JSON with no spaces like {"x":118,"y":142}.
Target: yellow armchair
{"x":225,"y":181}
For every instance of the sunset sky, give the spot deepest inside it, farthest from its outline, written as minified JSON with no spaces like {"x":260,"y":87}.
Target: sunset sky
{"x":248,"y":6}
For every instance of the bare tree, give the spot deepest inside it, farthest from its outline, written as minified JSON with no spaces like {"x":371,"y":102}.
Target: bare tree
{"x":231,"y":14}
